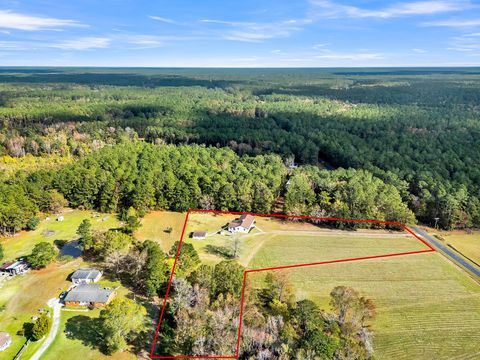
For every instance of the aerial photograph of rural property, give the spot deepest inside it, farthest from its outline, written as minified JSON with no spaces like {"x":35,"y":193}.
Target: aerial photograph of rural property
{"x":251,"y":180}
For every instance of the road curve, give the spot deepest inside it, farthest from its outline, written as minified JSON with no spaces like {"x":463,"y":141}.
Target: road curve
{"x":449,"y":253}
{"x":55,"y":304}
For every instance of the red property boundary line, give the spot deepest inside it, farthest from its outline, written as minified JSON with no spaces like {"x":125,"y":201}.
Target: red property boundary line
{"x":246,"y":272}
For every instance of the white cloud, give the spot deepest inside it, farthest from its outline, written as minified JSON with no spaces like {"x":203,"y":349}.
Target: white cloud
{"x":334,"y":10}
{"x":358,"y":56}
{"x":151,"y":41}
{"x":162,"y":19}
{"x":319,"y":46}
{"x":420,"y":51}
{"x":465,"y":44}
{"x":255,"y":31}
{"x":455,"y":23}
{"x":83,"y":43}
{"x":13,"y":45}
{"x":17,"y":21}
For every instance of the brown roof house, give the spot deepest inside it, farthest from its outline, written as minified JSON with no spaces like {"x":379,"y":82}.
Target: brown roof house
{"x":199,"y":235}
{"x":90,"y":295}
{"x":243,"y":224}
{"x":5,"y":340}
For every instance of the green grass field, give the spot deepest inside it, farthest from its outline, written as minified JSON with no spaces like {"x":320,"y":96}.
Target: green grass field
{"x":427,"y":308}
{"x":467,"y":244}
{"x":22,"y":243}
{"x":67,"y":347}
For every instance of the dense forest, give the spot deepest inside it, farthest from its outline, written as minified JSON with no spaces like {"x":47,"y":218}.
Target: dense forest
{"x":411,"y":136}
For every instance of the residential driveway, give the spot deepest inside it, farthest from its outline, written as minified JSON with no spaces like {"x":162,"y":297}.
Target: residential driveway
{"x":56,"y":306}
{"x":449,"y":253}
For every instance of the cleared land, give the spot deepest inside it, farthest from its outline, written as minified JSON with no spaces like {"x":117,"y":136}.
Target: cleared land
{"x":427,"y":307}
{"x":155,"y":226}
{"x":275,"y":242}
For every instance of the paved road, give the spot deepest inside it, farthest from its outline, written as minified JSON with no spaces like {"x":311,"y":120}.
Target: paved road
{"x":449,"y":253}
{"x":55,"y":304}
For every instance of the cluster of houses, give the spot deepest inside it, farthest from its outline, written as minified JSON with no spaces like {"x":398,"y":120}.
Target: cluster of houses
{"x":85,"y":292}
{"x":243,"y":224}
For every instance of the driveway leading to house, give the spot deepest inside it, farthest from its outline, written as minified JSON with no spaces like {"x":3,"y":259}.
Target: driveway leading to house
{"x":56,"y":306}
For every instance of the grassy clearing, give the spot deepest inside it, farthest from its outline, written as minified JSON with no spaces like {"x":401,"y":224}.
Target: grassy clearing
{"x":427,"y":308}
{"x":155,"y":224}
{"x":23,"y":243}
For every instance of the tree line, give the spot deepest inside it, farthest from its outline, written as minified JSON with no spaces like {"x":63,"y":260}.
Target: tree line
{"x":143,"y":177}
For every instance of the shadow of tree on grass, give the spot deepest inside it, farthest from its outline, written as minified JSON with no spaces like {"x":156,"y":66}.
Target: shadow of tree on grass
{"x":221,"y":251}
{"x":85,"y":329}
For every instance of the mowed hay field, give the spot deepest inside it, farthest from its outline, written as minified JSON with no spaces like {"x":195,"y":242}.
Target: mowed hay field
{"x":427,"y":307}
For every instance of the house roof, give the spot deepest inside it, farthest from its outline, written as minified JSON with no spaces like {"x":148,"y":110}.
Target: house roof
{"x":7,"y":265}
{"x":86,"y":274}
{"x":5,"y":338}
{"x":199,"y":234}
{"x":245,"y":221}
{"x":89,"y":293}
{"x":12,"y":265}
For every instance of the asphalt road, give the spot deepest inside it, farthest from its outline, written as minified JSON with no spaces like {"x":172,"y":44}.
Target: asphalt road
{"x":449,"y":253}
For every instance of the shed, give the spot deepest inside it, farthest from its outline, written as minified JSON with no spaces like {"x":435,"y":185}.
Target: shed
{"x":199,"y":235}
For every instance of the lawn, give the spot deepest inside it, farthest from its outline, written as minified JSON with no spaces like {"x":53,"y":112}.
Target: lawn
{"x":78,"y":343}
{"x":50,"y":230}
{"x":155,"y":225}
{"x":427,"y":308}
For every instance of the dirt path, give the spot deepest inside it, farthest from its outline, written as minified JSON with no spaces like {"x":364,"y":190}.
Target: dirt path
{"x":55,"y":304}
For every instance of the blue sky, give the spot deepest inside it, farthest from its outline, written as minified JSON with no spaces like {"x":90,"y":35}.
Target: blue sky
{"x":240,"y":33}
